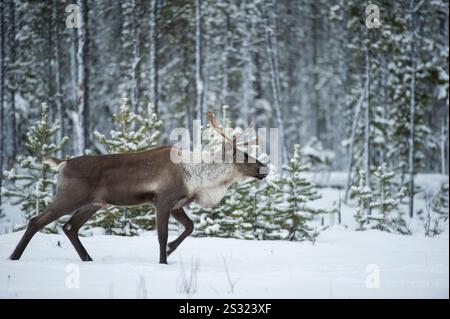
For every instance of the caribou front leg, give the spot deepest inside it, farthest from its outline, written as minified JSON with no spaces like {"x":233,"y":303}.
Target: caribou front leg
{"x":181,"y":217}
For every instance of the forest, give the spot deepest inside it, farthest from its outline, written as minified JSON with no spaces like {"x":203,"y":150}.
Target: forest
{"x":349,"y":93}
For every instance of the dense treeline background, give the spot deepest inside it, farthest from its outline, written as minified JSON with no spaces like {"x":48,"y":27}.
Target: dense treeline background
{"x":312,"y":68}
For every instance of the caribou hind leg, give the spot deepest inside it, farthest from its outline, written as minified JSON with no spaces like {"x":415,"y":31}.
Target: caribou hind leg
{"x":59,"y":207}
{"x":181,"y":217}
{"x":71,"y":228}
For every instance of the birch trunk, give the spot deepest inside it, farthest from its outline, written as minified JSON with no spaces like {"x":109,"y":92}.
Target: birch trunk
{"x":352,"y":141}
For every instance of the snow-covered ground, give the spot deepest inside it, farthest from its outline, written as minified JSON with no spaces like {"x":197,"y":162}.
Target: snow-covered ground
{"x":342,"y":264}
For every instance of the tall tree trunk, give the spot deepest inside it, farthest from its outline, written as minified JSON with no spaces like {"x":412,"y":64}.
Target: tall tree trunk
{"x":367,"y":150}
{"x":443,"y":140}
{"x":247,"y":71}
{"x":412,"y":114}
{"x":315,"y":109}
{"x":83,"y":79}
{"x":2,"y":92}
{"x":272,"y":52}
{"x":225,"y":64}
{"x":189,"y":111}
{"x":57,"y":74}
{"x":153,"y":50}
{"x":136,"y":59}
{"x":11,"y":143}
{"x":352,"y":141}
{"x":198,"y":56}
{"x":73,"y":65}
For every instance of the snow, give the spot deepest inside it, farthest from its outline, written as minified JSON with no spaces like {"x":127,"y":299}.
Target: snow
{"x":340,"y":265}
{"x":426,"y":182}
{"x":12,"y":218}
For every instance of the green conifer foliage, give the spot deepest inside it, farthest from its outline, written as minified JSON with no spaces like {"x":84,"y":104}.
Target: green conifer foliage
{"x":32,"y":181}
{"x":132,"y":133}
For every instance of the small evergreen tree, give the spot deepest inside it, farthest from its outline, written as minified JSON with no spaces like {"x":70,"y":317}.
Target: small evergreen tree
{"x":436,"y":215}
{"x":240,"y":206}
{"x":132,"y":133}
{"x":364,"y":196}
{"x":269,"y":210}
{"x":440,"y":202}
{"x":386,"y":201}
{"x":383,"y":198}
{"x":32,"y":182}
{"x":298,"y":192}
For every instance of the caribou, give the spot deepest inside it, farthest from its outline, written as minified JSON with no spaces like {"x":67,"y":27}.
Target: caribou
{"x":88,"y":183}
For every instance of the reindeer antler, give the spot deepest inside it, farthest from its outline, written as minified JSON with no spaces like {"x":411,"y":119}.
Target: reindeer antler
{"x":212,"y":120}
{"x":244,"y":132}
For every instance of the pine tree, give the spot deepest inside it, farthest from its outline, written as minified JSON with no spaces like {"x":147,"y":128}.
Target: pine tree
{"x":133,"y":133}
{"x":270,"y":210}
{"x":33,"y":181}
{"x":364,"y":195}
{"x":386,"y":200}
{"x":240,"y":207}
{"x":440,"y":202}
{"x":240,"y":214}
{"x":298,"y":192}
{"x":383,"y":198}
{"x":436,"y":215}
{"x":219,"y":221}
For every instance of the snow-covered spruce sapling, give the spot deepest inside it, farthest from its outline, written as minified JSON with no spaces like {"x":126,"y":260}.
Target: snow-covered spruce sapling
{"x":383,"y":199}
{"x":364,"y":195}
{"x":270,"y":206}
{"x":436,"y":211}
{"x":132,"y":133}
{"x":441,"y":202}
{"x":386,"y":201}
{"x":298,"y":192}
{"x":32,"y":181}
